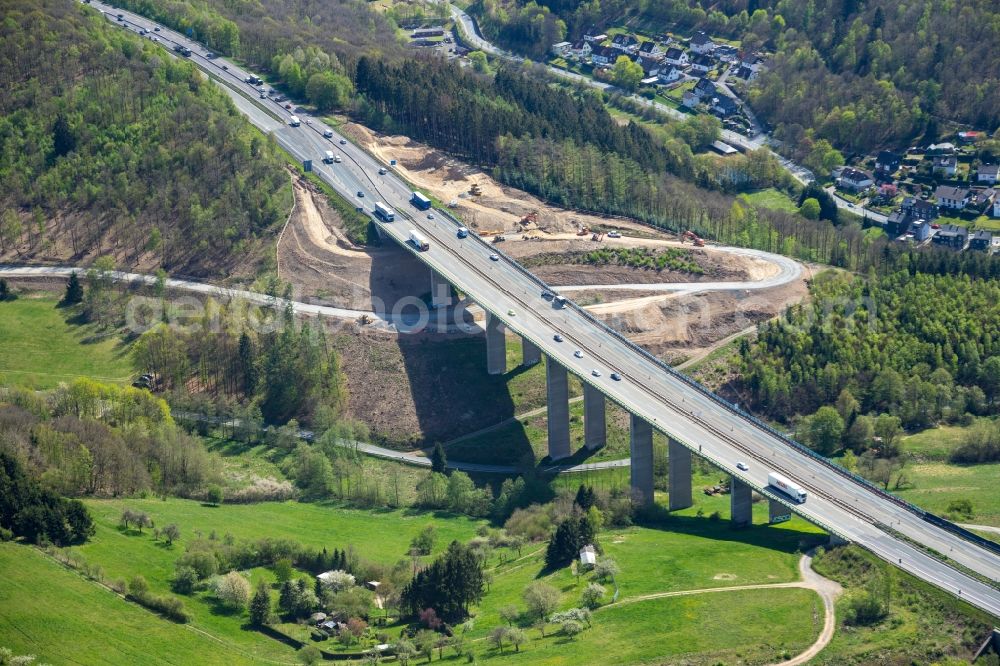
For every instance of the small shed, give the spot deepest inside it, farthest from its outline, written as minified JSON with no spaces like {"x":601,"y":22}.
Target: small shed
{"x":588,"y":557}
{"x":316,"y":618}
{"x":373,"y":585}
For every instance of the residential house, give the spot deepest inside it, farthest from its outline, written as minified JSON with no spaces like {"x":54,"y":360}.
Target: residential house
{"x":704,"y":88}
{"x":625,"y":43}
{"x":921,"y":230}
{"x":969,"y":137}
{"x":745,"y":73}
{"x":701,"y":43}
{"x":981,"y":200}
{"x":941,"y":148}
{"x":594,"y":37}
{"x":952,"y":236}
{"x":604,"y":55}
{"x":996,"y":207}
{"x":690,"y":99}
{"x":887,"y":163}
{"x":988,"y":173}
{"x":676,"y":56}
{"x":955,"y":198}
{"x":726,"y":53}
{"x":702,"y":64}
{"x":561,"y":49}
{"x":919,"y":209}
{"x":946,"y":164}
{"x":981,"y":241}
{"x":854,"y":180}
{"x":897,"y":223}
{"x":669,"y":74}
{"x":651,"y":65}
{"x":725,"y":106}
{"x":650,"y":49}
{"x":580,"y":49}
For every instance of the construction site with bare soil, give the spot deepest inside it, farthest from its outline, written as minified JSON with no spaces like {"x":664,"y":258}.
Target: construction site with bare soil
{"x":680,"y":297}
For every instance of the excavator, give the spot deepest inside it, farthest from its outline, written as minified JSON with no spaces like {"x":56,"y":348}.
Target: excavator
{"x":530,"y":218}
{"x":475,"y":190}
{"x":695,"y":239}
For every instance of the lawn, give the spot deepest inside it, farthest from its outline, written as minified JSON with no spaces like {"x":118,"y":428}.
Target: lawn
{"x":934,"y":443}
{"x":936,"y":484}
{"x":54,"y":613}
{"x":758,"y":626}
{"x":773,"y":199}
{"x":42,"y":346}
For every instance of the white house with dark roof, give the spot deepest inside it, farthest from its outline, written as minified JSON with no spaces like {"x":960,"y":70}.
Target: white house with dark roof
{"x":669,"y":74}
{"x":946,"y":164}
{"x":676,"y":56}
{"x":604,"y":55}
{"x":955,"y":198}
{"x":987,"y":173}
{"x":701,"y":43}
{"x":855,"y":180}
{"x":625,"y":43}
{"x":702,"y":64}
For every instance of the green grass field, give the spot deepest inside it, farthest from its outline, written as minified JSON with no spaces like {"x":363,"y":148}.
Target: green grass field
{"x":54,"y":613}
{"x":773,"y":199}
{"x":935,"y":485}
{"x":683,"y":553}
{"x":40,"y":347}
{"x":759,"y":626}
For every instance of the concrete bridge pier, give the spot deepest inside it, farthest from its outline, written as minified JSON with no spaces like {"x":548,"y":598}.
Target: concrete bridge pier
{"x":679,"y":475}
{"x":641,"y":445}
{"x":595,"y":430}
{"x":740,"y":503}
{"x":530,"y":353}
{"x":557,"y":395}
{"x":496,"y":346}
{"x":440,"y":291}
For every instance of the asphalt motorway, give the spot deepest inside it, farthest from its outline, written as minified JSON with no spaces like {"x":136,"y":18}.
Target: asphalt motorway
{"x":705,"y":424}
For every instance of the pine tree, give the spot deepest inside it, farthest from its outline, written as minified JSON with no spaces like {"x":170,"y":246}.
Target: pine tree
{"x":585,"y":497}
{"x":74,"y":290}
{"x":439,"y":463}
{"x":260,"y":606}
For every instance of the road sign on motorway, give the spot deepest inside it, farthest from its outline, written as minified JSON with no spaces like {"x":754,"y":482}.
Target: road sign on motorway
{"x":307,"y":165}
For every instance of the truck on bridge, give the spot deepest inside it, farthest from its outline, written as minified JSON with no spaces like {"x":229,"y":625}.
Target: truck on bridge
{"x":786,"y":486}
{"x":420,"y":201}
{"x":384,"y":213}
{"x":419,"y":241}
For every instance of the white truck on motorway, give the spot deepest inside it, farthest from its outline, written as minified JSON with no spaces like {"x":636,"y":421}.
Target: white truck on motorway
{"x":328,"y":157}
{"x":294,"y":121}
{"x":786,"y":486}
{"x":419,"y":241}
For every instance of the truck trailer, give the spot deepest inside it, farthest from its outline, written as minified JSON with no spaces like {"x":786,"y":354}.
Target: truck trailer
{"x":294,"y":121}
{"x":419,"y":241}
{"x":384,"y":213}
{"x":420,"y":201}
{"x":786,"y":486}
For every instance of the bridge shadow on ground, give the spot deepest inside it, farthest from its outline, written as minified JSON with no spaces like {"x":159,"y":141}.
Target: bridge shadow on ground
{"x":446,"y":391}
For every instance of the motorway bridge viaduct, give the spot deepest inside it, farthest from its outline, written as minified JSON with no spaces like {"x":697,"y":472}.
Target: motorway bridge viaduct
{"x":656,"y":396}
